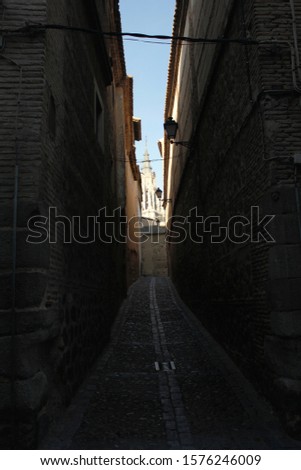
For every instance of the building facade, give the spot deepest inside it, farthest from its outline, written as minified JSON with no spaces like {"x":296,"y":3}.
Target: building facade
{"x":132,"y":188}
{"x":153,"y":251}
{"x":153,"y":232}
{"x":237,"y":103}
{"x":65,"y":139}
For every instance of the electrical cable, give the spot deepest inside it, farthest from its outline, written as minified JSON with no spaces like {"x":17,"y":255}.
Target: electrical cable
{"x":150,"y":161}
{"x":32,"y":28}
{"x":39,"y":27}
{"x":151,"y":42}
{"x":36,"y":28}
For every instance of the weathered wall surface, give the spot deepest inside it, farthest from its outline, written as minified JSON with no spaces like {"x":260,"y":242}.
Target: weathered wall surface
{"x":66,"y":294}
{"x":132,"y":189}
{"x":21,"y":95}
{"x":154,"y":256}
{"x":239,"y":107}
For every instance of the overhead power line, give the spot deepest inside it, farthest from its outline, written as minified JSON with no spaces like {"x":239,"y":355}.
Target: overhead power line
{"x":37,"y":28}
{"x":139,"y":162}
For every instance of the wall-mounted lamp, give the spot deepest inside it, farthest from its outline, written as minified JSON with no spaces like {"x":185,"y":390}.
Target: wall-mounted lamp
{"x":159,"y":193}
{"x":171,"y":129}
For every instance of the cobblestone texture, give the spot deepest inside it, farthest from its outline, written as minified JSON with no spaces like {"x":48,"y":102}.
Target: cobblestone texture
{"x":164,"y":383}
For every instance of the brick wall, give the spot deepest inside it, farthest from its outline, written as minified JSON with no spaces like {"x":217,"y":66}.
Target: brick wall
{"x":66,"y":294}
{"x":241,"y":118}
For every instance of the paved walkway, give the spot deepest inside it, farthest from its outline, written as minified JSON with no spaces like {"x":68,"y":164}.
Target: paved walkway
{"x":164,"y":383}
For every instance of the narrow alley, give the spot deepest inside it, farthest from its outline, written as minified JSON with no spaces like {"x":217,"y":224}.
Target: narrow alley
{"x":164,"y":383}
{"x":150,"y":225}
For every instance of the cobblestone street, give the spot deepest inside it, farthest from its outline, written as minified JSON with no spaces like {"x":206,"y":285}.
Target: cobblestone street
{"x":164,"y":383}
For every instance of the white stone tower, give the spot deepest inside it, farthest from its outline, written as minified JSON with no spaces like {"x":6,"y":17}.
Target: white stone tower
{"x":151,"y":206}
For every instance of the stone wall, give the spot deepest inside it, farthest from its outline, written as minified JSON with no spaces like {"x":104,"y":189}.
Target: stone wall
{"x":153,"y":252}
{"x":241,"y":112}
{"x":132,"y":189}
{"x":66,"y":295}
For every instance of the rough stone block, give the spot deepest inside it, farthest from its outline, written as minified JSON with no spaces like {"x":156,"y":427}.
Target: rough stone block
{"x":286,"y":324}
{"x":27,"y":255}
{"x":26,"y":352}
{"x":5,"y":394}
{"x":5,"y":323}
{"x":288,"y":393}
{"x":5,"y":434}
{"x":279,"y":200}
{"x":32,"y":393}
{"x":284,"y":228}
{"x":285,"y":261}
{"x":37,"y":321}
{"x":6,"y":258}
{"x":43,"y":424}
{"x":5,"y":292}
{"x":32,"y":255}
{"x":284,"y":294}
{"x":30,"y":289}
{"x":27,"y":359}
{"x":6,"y":214}
{"x":29,"y":321}
{"x":284,"y":356}
{"x":25,"y":211}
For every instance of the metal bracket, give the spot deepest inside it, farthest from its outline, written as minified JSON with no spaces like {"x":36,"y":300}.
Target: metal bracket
{"x":184,"y":143}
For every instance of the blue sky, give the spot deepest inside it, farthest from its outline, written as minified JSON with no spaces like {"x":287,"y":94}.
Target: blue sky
{"x":148,"y":64}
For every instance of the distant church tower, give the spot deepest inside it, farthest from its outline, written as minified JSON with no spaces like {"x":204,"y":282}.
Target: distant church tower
{"x":151,"y":206}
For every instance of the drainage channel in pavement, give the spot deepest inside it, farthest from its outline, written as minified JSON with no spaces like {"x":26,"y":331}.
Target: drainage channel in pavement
{"x":176,"y":423}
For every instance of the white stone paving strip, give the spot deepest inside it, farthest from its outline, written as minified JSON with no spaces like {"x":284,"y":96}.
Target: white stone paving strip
{"x":176,"y":423}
